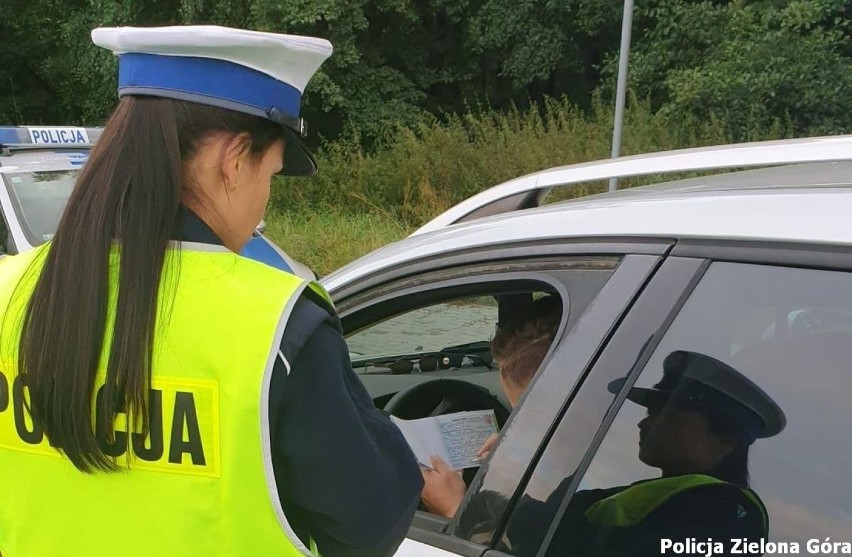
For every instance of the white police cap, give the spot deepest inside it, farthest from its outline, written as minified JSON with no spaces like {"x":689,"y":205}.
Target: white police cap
{"x":263,"y":74}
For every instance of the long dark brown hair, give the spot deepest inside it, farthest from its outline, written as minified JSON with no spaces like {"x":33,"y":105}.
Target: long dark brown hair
{"x":734,"y":467}
{"x":126,"y":199}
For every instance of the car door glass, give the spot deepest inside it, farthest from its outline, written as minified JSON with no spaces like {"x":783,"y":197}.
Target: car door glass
{"x":39,"y":198}
{"x":427,"y":329}
{"x":4,"y":236}
{"x":594,"y":291}
{"x":735,"y":427}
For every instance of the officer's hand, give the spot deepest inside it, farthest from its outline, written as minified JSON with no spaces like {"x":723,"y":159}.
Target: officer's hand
{"x":443,"y":488}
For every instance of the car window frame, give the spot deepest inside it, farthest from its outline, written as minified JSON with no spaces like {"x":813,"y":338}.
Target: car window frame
{"x":639,"y":324}
{"x":591,"y":331}
{"x":361,"y":307}
{"x":631,"y":274}
{"x":785,"y":254}
{"x":547,"y":397}
{"x":545,"y":275}
{"x":17,"y":208}
{"x":344,"y":293}
{"x":656,"y":303}
{"x":433,"y":287}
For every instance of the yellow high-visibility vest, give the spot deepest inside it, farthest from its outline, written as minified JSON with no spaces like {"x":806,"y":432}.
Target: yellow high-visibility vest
{"x":632,"y":505}
{"x":201,"y":482}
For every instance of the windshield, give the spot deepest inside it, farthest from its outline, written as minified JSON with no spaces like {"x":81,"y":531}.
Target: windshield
{"x":39,"y":199}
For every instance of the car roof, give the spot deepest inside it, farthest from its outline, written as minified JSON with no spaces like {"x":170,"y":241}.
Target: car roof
{"x":532,"y":189}
{"x":807,"y":203}
{"x":835,"y":173}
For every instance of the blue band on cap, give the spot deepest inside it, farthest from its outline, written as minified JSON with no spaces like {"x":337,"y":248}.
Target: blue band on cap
{"x":189,"y":76}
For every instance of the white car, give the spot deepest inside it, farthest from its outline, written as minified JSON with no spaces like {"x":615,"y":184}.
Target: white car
{"x":752,"y":267}
{"x":38,"y":169}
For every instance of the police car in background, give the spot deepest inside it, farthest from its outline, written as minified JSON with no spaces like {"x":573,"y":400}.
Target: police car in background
{"x":38,"y":169}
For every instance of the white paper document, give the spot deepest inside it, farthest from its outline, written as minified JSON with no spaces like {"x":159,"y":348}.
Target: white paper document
{"x":454,"y":437}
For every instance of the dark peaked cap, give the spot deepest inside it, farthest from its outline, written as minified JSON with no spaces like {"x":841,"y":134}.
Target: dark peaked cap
{"x":698,"y":379}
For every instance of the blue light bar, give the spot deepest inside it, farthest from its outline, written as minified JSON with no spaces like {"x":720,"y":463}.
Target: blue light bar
{"x":14,"y":135}
{"x":48,"y":135}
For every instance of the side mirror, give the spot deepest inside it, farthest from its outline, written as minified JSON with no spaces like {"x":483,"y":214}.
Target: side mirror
{"x":261,"y":226}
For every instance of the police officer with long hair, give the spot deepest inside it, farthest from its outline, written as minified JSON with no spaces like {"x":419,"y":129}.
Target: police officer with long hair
{"x":160,"y":394}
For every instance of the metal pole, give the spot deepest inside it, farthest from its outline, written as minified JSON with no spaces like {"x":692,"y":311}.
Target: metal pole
{"x":621,"y":89}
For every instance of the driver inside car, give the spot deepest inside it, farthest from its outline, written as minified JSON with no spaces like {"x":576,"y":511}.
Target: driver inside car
{"x":518,"y":348}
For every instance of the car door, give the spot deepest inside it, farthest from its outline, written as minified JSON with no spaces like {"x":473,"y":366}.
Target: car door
{"x":781,"y":316}
{"x":597,"y":282}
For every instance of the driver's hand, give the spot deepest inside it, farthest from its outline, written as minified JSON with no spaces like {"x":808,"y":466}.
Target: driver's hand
{"x":487,"y":446}
{"x":443,"y":488}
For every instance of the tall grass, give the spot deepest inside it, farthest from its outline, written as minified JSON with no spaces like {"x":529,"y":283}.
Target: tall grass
{"x":325,"y":239}
{"x":361,"y":200}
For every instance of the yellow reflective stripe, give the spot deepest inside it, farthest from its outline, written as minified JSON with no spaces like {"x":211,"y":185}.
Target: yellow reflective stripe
{"x":630,"y":506}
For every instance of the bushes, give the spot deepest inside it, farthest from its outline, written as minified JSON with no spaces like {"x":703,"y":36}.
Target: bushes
{"x":436,"y":164}
{"x":360,"y":201}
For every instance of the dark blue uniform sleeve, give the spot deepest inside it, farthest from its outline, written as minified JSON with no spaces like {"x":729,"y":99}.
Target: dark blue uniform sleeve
{"x":345,"y":475}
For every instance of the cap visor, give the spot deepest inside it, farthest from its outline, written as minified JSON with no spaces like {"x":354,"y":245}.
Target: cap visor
{"x":297,"y":160}
{"x":647,"y":397}
{"x":639,"y":395}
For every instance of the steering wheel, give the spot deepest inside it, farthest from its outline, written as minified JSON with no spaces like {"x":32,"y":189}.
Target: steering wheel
{"x":444,"y":396}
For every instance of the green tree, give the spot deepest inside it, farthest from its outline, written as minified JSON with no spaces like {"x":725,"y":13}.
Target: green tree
{"x":27,"y":90}
{"x":747,"y":65}
{"x":547,"y":48}
{"x":744,"y":64}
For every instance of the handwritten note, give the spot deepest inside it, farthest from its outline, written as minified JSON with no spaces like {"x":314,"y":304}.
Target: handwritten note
{"x":456,"y":438}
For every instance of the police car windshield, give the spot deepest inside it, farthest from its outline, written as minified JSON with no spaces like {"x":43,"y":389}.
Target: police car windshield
{"x":38,"y":199}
